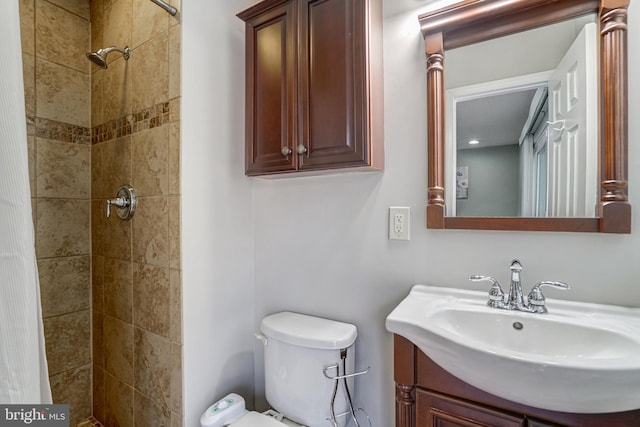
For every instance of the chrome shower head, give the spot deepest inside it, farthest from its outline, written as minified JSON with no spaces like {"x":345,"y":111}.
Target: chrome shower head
{"x":99,"y":57}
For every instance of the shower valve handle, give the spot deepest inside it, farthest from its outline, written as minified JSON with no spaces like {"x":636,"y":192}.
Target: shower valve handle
{"x":126,"y":202}
{"x":119,"y":202}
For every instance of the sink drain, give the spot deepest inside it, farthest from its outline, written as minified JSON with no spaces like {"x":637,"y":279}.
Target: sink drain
{"x":518,"y":326}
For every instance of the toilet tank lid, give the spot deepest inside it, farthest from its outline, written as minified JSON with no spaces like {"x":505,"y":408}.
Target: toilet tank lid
{"x":309,"y":331}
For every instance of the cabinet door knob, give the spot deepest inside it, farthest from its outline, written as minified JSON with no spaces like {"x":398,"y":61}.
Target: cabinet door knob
{"x":286,"y":151}
{"x":302,"y":149}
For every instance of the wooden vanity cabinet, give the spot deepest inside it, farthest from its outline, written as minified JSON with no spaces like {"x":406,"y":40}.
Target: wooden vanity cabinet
{"x":429,"y":396}
{"x":313,"y":85}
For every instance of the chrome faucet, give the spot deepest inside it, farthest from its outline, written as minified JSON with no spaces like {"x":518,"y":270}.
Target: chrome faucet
{"x":515,"y":300}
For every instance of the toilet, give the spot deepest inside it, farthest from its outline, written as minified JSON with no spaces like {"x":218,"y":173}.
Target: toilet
{"x":303,"y":355}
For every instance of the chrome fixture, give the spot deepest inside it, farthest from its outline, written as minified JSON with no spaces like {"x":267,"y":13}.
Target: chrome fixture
{"x":515,"y":300}
{"x":126,"y":203}
{"x":536,"y":299}
{"x":166,"y":6}
{"x":99,"y":57}
{"x":342,"y":375}
{"x":515,"y":288}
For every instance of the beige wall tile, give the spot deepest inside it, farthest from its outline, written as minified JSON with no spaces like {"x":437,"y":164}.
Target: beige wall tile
{"x":116,"y":165}
{"x":151,"y":231}
{"x":98,"y":393}
{"x":97,"y":226}
{"x":116,"y":88}
{"x":176,"y":378}
{"x":118,"y":289}
{"x":27,"y":26}
{"x":63,"y":169}
{"x":153,"y":366}
{"x":116,"y":240}
{"x":29,"y":77}
{"x":176,"y":19}
{"x":174,"y":158}
{"x":174,"y":231}
{"x":97,"y":24}
{"x":31,"y":151}
{"x":150,"y":73}
{"x":109,"y":3}
{"x":78,"y":7}
{"x":64,"y":284}
{"x":62,"y":94}
{"x":150,"y":161}
{"x":118,"y":349}
{"x":62,"y":227}
{"x":151,"y":298}
{"x":73,"y":387}
{"x":176,"y":420}
{"x":149,"y":20}
{"x":174,"y":61}
{"x":67,"y":340}
{"x":98,"y":338}
{"x":117,"y":23}
{"x":174,"y":110}
{"x":175,"y":311}
{"x":96,"y":172}
{"x":97,"y":83}
{"x":148,"y":413}
{"x":97,"y":283}
{"x":66,"y":47}
{"x":118,"y":403}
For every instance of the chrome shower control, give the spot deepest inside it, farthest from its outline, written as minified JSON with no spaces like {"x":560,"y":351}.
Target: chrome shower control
{"x":125,"y":202}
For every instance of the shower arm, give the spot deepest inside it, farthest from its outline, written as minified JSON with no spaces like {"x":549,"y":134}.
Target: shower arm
{"x":166,"y":6}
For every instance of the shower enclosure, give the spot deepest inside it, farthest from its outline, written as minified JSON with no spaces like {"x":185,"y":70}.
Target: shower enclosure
{"x":111,"y":289}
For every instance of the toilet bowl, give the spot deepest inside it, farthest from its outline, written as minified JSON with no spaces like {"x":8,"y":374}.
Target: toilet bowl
{"x":305,"y":360}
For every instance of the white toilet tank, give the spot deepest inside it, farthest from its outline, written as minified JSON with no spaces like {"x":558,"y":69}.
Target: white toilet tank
{"x":297,"y":350}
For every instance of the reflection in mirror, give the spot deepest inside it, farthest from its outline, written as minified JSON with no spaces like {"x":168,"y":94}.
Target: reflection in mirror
{"x":474,"y":22}
{"x":522,"y":137}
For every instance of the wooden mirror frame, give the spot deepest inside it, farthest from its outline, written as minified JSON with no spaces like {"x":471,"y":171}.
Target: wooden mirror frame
{"x":473,"y":21}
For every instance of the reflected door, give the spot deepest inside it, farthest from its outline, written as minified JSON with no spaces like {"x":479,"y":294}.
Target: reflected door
{"x":573,"y":133}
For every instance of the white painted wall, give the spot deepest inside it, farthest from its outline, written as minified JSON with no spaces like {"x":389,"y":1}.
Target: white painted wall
{"x":320,"y":243}
{"x":217,"y":246}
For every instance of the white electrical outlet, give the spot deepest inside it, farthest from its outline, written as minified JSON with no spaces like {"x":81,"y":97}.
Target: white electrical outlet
{"x":399,"y":223}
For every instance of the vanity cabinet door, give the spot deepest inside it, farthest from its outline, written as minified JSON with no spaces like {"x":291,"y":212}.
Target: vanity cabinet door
{"x":437,"y":410}
{"x":270,"y":123}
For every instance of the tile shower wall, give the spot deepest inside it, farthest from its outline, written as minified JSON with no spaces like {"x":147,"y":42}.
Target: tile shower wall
{"x":136,"y":277}
{"x":111,"y":289}
{"x":57,"y":98}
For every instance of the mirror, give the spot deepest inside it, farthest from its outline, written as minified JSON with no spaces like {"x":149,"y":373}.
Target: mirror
{"x":536,"y":186}
{"x":502,"y":131}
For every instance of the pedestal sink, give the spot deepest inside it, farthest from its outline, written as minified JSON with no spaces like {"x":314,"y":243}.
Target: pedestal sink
{"x":579,"y":357}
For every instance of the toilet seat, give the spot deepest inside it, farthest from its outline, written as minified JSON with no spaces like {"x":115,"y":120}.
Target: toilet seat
{"x":256,"y":419}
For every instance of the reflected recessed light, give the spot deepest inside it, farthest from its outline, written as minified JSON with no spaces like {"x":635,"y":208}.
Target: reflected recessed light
{"x":474,"y":142}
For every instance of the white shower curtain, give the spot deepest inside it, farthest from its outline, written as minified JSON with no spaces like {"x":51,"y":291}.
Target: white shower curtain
{"x":23,"y":366}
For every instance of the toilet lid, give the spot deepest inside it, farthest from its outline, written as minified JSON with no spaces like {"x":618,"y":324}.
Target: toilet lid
{"x":256,"y":419}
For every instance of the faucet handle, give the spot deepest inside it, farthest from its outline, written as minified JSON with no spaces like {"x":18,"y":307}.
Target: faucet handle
{"x":537,"y":300}
{"x":496,"y":296}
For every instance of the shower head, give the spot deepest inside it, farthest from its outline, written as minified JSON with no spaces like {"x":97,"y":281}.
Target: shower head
{"x":99,"y":57}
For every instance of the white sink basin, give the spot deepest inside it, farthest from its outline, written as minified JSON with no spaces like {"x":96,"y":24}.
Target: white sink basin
{"x":579,"y":357}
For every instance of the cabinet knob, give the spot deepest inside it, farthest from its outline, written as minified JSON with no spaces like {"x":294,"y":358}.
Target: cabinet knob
{"x":286,"y":151}
{"x":302,"y":149}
